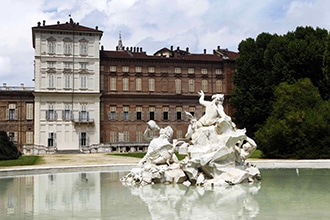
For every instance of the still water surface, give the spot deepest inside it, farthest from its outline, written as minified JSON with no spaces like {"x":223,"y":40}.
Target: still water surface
{"x":281,"y":194}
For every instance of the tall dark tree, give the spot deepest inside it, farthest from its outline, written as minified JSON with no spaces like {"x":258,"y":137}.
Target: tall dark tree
{"x":299,"y":125}
{"x":251,"y":93}
{"x":271,"y":59}
{"x":8,"y":151}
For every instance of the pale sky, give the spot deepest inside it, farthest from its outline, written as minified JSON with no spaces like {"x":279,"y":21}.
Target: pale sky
{"x":151,"y":24}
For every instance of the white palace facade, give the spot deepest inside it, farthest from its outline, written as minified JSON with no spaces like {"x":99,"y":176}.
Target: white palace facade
{"x":67,"y":93}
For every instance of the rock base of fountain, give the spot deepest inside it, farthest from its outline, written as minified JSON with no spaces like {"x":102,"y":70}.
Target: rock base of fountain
{"x":215,"y":152}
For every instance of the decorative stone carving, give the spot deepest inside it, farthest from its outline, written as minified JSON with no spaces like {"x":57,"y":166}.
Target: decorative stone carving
{"x":215,"y":152}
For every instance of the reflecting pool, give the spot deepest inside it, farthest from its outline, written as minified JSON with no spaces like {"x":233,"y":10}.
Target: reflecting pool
{"x":281,"y":194}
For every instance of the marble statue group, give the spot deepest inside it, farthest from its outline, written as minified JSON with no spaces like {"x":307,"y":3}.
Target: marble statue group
{"x":215,"y":152}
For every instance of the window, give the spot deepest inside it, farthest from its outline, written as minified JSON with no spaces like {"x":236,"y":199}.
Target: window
{"x":83,"y":66}
{"x":165,"y":113}
{"x":203,"y":71}
{"x":83,"y":114}
{"x":51,"y":65}
{"x":151,"y":85}
{"x":11,"y":136}
{"x":125,"y":84}
{"x":125,"y":69}
{"x":113,"y":136}
{"x":67,"y":81}
{"x":152,"y":113}
{"x":113,"y":84}
{"x":29,"y":111}
{"x":83,"y":47}
{"x":126,"y":136}
{"x":51,"y":45}
{"x":51,"y":139}
{"x":51,"y":81}
{"x":218,"y":71}
{"x":204,"y":85}
{"x":138,"y":69}
{"x":67,"y":48}
{"x":67,"y":65}
{"x":139,"y":136}
{"x":191,"y":85}
{"x":112,"y":114}
{"x":151,"y":69}
{"x":113,"y":69}
{"x":12,"y":112}
{"x":178,"y":113}
{"x":83,"y":139}
{"x":177,"y":70}
{"x":218,"y":85}
{"x":50,"y":113}
{"x":126,"y":113}
{"x":138,"y":83}
{"x":179,"y":134}
{"x":192,"y":111}
{"x":191,"y":70}
{"x":83,"y":81}
{"x":29,"y":137}
{"x":138,"y":113}
{"x":178,"y":86}
{"x":67,"y":113}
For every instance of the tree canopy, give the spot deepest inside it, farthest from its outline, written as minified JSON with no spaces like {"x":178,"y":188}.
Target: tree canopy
{"x":267,"y":61}
{"x":281,"y":92}
{"x":298,"y":126}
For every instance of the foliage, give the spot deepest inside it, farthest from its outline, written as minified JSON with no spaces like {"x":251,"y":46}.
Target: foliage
{"x":22,"y":161}
{"x":269,"y":60}
{"x":299,"y":124}
{"x":8,"y":151}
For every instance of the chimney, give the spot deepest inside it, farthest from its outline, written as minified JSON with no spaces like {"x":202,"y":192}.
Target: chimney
{"x":219,"y":47}
{"x":43,"y":23}
{"x":39,"y":24}
{"x":97,"y":27}
{"x":187,"y":49}
{"x":141,"y":49}
{"x":58,"y":22}
{"x":102,"y":47}
{"x":204,"y":51}
{"x":171,"y":48}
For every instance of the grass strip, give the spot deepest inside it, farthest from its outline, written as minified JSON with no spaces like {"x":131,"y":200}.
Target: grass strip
{"x":21,"y":161}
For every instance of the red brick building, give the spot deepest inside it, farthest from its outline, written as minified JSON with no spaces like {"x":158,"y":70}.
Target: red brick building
{"x":17,"y":114}
{"x":137,"y":87}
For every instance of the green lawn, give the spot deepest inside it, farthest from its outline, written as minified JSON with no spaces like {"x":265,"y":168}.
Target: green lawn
{"x":256,"y":154}
{"x":21,"y":161}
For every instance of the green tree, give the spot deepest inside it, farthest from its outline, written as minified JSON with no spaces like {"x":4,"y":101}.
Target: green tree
{"x":251,"y":93}
{"x":269,"y":60}
{"x":299,"y":125}
{"x":8,"y":151}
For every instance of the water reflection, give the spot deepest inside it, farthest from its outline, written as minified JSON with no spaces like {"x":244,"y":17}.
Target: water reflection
{"x":102,"y":196}
{"x":181,"y":202}
{"x":281,"y":194}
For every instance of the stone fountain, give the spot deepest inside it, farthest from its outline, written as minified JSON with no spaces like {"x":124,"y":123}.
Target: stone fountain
{"x":215,"y":152}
